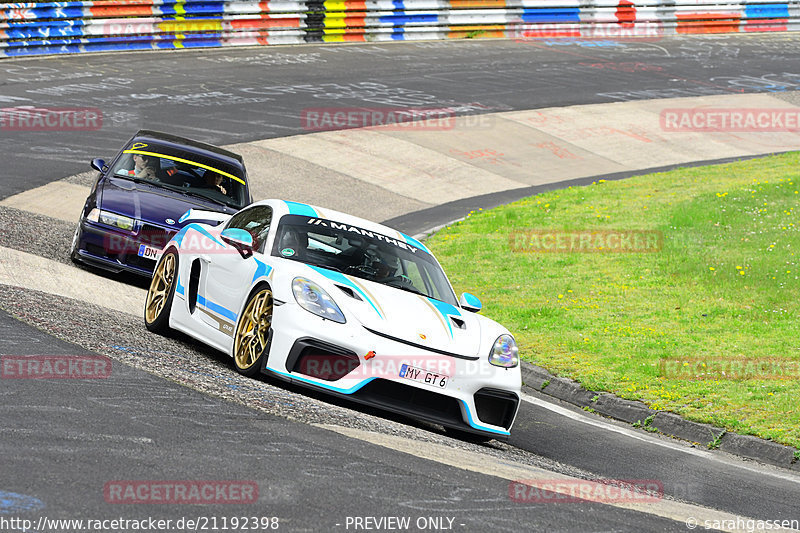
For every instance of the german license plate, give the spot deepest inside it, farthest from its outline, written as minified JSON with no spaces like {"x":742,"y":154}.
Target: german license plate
{"x":423,"y":376}
{"x":148,"y":252}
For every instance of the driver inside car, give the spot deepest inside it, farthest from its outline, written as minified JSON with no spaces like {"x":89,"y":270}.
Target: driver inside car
{"x":387,"y":269}
{"x":144,"y":166}
{"x":213,"y":180}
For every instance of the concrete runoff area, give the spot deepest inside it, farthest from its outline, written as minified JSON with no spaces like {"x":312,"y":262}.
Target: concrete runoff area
{"x":401,"y":169}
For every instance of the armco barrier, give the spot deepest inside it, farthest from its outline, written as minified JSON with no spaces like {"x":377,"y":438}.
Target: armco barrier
{"x":102,"y":25}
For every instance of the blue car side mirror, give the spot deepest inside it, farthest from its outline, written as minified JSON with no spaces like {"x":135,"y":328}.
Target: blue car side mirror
{"x":98,"y":164}
{"x":239,"y":239}
{"x":470,"y":302}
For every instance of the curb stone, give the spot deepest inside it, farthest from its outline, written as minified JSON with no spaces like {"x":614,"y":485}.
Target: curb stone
{"x":669,"y":424}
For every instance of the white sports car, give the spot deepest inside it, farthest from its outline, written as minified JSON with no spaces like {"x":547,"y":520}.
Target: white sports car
{"x":340,"y":304}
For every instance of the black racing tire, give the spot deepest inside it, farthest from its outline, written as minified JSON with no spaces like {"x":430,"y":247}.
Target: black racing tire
{"x":251,"y":342}
{"x":158,"y":305}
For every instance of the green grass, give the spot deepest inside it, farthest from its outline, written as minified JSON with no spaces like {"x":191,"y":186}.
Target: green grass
{"x":724,"y":285}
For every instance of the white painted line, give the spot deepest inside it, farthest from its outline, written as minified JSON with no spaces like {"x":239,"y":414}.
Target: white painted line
{"x":488,"y":465}
{"x":633,"y":434}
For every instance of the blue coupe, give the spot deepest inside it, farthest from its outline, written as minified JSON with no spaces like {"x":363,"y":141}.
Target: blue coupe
{"x":135,"y":206}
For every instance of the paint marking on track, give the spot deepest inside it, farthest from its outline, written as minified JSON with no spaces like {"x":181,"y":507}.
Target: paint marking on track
{"x":602,"y":424}
{"x":482,"y":464}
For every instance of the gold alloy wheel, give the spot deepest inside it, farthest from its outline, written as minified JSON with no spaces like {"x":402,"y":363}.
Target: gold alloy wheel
{"x":160,"y":288}
{"x":253,"y":330}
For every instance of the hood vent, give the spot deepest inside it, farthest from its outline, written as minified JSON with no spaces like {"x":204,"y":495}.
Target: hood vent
{"x":348,"y":291}
{"x":460,"y":324}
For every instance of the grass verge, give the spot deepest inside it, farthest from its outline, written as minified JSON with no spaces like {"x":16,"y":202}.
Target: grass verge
{"x":723,"y":287}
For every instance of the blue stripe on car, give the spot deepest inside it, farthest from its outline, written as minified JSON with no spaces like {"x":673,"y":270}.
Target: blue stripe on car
{"x":178,"y":238}
{"x":338,"y":277}
{"x":481,"y":426}
{"x":414,"y":242}
{"x":220,"y":310}
{"x":445,"y":309}
{"x":262,"y":270}
{"x":358,"y":386}
{"x":351,"y":390}
{"x":296,"y":208}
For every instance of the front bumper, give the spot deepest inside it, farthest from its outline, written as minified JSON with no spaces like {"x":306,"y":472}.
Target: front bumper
{"x":117,"y":250}
{"x":477,"y":397}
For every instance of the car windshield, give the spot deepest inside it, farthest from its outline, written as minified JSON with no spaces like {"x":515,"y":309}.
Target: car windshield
{"x":362,"y":254}
{"x":194,"y":175}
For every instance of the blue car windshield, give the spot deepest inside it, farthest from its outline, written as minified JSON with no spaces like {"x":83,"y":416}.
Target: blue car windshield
{"x":363,"y":254}
{"x":187,"y":173}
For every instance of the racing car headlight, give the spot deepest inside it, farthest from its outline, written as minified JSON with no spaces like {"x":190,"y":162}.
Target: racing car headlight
{"x":504,"y":352}
{"x":314,"y":299}
{"x":110,"y":219}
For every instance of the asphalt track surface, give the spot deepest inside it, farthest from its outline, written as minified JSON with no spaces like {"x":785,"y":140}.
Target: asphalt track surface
{"x":63,"y":440}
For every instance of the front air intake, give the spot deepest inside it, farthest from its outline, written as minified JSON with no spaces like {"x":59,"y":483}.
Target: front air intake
{"x":496,"y":407}
{"x":321,"y":360}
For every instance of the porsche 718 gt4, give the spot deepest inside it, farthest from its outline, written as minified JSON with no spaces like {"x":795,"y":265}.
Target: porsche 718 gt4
{"x":339,"y":304}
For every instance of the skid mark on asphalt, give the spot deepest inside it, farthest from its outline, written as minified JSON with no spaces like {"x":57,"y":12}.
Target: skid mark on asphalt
{"x":476,"y":462}
{"x":82,"y":437}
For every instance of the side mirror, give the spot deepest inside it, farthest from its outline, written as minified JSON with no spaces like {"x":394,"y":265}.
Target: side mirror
{"x":470,"y":302}
{"x":99,"y":165}
{"x":239,"y":239}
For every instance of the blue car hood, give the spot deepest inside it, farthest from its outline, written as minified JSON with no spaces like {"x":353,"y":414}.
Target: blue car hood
{"x":150,"y":203}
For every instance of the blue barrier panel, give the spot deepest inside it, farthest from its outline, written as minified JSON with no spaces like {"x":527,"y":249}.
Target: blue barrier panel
{"x":103,"y":25}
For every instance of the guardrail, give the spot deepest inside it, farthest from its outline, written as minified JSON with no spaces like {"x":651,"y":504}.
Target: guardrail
{"x":102,"y":25}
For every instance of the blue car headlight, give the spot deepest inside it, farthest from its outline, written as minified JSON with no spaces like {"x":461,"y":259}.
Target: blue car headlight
{"x":504,"y":352}
{"x":314,"y":299}
{"x":111,"y":219}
